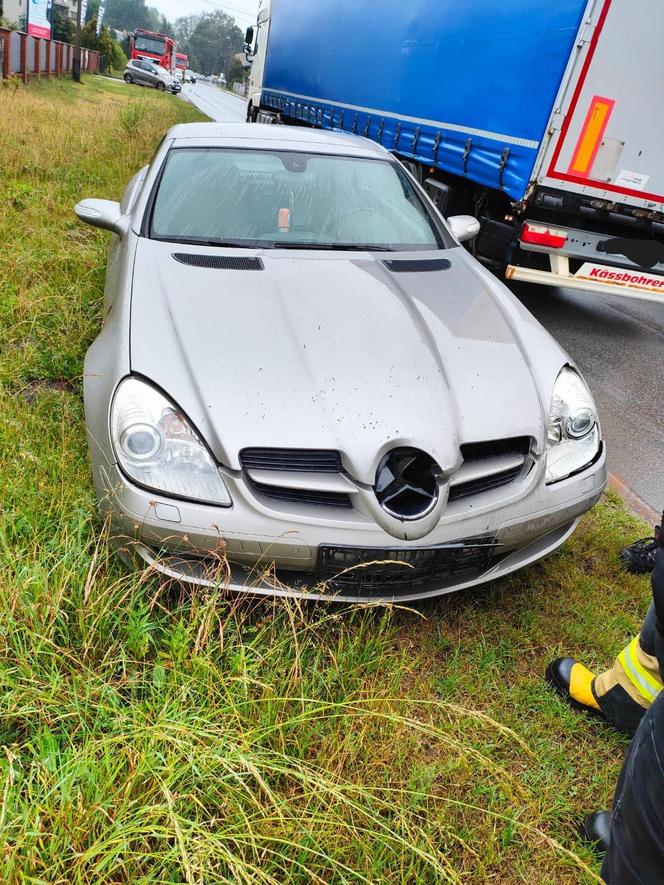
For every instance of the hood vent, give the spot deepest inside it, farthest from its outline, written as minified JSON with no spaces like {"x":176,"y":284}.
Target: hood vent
{"x":414,"y":265}
{"x":219,"y":262}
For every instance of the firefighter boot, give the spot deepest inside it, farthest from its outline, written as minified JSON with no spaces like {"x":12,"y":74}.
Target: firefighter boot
{"x":574,"y":683}
{"x":596,"y":829}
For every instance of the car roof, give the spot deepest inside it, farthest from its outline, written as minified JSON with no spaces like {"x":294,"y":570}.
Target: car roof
{"x":262,"y":135}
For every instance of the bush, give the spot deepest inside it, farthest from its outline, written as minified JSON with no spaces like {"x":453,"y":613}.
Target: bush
{"x":104,"y":44}
{"x":118,"y":59}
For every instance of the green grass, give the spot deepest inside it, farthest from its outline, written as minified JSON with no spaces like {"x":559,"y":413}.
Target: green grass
{"x":152,"y":735}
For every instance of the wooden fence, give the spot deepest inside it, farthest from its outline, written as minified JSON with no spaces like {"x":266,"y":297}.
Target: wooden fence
{"x":29,"y":57}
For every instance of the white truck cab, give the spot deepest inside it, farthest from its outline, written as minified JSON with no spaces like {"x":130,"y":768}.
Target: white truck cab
{"x":256,"y":52}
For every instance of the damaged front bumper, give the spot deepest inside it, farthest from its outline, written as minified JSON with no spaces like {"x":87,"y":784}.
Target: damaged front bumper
{"x":255,"y":549}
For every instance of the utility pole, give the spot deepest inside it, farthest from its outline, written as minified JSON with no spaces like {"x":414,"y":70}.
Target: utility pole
{"x":76,"y":66}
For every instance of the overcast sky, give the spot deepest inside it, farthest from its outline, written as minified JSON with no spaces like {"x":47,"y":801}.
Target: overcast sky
{"x":243,"y":11}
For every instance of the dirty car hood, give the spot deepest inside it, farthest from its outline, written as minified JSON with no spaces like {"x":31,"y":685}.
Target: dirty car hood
{"x":332,"y":351}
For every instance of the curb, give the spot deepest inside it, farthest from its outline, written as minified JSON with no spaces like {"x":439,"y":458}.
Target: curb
{"x":634,"y":503}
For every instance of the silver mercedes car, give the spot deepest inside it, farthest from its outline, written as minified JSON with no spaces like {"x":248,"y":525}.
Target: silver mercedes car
{"x":304,"y":385}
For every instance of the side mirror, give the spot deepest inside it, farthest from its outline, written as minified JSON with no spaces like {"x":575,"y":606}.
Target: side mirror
{"x":105,"y":214}
{"x":464,"y":227}
{"x":249,"y":37}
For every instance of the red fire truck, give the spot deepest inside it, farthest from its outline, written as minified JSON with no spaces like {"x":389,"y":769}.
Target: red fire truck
{"x":157,"y":47}
{"x":181,"y":64}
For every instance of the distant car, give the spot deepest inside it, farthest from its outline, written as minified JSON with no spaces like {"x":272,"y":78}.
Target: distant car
{"x":146,"y":73}
{"x":190,"y":77}
{"x":305,"y":385}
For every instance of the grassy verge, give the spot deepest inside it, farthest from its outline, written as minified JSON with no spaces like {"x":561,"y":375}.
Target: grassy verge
{"x":154,"y":736}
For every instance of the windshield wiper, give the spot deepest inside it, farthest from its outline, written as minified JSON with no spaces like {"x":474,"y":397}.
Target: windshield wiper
{"x":220,"y":243}
{"x":223,"y":243}
{"x":337,"y":247}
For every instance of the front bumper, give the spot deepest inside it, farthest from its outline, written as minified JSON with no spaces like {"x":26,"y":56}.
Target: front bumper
{"x":264,"y":549}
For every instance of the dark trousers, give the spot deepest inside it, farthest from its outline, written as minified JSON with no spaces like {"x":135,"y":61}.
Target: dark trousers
{"x":636,"y":850}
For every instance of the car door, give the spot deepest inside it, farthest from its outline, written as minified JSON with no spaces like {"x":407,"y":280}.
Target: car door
{"x":138,"y":72}
{"x":152,"y":75}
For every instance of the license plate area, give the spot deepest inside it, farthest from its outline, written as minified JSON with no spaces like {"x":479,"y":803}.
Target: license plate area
{"x":377,"y":569}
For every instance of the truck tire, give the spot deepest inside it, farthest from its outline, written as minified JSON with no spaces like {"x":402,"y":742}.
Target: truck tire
{"x":495,"y":242}
{"x":252,"y":114}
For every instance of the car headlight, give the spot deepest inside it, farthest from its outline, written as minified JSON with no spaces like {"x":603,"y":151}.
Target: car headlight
{"x":573,"y":437}
{"x":156,"y":446}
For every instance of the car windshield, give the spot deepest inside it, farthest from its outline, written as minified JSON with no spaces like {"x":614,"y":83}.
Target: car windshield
{"x":148,"y":44}
{"x":290,"y":199}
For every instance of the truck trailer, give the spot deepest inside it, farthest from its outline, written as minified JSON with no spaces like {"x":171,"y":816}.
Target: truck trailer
{"x":544,"y":121}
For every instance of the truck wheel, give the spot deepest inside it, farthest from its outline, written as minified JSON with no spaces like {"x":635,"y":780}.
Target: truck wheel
{"x":252,"y":114}
{"x":495,"y":243}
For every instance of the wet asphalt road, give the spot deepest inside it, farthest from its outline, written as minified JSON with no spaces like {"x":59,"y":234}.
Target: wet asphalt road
{"x":617,"y":343}
{"x":219,"y":105}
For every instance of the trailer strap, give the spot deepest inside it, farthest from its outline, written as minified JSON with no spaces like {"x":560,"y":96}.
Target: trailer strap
{"x":501,"y":167}
{"x":466,"y":153}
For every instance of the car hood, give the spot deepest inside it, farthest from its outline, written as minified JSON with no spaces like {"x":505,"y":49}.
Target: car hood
{"x":324,"y":350}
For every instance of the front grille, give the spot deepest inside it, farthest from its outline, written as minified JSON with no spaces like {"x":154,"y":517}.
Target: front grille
{"x":415,"y":265}
{"x":298,"y":460}
{"x":403,"y":569}
{"x":302,"y":496}
{"x":485,"y":484}
{"x":517,"y":445}
{"x":485,"y":451}
{"x":219,"y":262}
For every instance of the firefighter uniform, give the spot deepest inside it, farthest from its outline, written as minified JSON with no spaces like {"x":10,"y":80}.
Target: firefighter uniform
{"x":624,"y":692}
{"x":635,"y":844}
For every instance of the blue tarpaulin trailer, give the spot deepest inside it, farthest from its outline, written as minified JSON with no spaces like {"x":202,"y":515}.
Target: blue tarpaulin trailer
{"x":544,"y":120}
{"x":467,"y":86}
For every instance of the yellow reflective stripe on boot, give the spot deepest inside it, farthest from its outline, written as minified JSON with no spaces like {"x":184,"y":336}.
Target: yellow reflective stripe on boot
{"x":645,"y":683}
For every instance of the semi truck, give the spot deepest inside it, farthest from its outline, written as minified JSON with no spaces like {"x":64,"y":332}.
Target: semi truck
{"x":543,"y":120}
{"x":154,"y":47}
{"x":181,"y":65}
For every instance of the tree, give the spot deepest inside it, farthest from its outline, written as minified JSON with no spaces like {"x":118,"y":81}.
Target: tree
{"x":210,"y":39}
{"x":93,"y":10}
{"x":236,"y":72}
{"x":127,"y":15}
{"x":184,"y":27}
{"x":63,"y":27}
{"x":104,"y":44}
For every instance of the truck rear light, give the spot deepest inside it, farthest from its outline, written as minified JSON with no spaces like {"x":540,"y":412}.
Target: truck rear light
{"x":539,"y":235}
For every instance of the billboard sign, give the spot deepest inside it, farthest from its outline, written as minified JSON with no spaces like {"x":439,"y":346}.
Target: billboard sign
{"x":39,"y":18}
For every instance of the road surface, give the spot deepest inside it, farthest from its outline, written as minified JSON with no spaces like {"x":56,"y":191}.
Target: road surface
{"x":618,"y":344}
{"x":219,"y":105}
